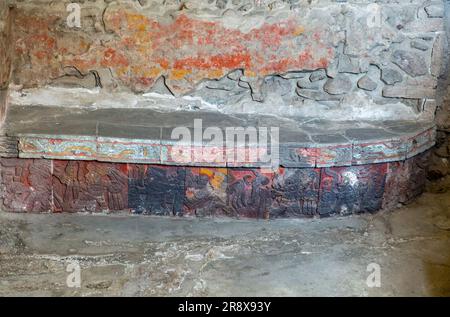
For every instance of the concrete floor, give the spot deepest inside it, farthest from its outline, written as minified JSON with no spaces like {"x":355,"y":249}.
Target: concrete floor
{"x":151,"y":256}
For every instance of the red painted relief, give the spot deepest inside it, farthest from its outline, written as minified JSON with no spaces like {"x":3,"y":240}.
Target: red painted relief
{"x":25,"y":185}
{"x":185,"y":50}
{"x":206,"y":192}
{"x":89,"y":186}
{"x":249,"y":192}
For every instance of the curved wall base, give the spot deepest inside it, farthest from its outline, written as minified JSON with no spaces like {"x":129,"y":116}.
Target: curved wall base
{"x":39,"y":185}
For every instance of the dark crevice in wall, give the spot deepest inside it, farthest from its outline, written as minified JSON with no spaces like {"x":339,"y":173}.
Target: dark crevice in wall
{"x":439,"y":167}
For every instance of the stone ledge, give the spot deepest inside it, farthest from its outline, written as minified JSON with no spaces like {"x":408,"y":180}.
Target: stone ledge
{"x":143,"y":136}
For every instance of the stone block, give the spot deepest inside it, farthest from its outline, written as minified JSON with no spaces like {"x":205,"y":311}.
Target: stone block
{"x":250,"y":192}
{"x":390,"y":76}
{"x":295,"y":193}
{"x":348,"y":64}
{"x":318,"y":75}
{"x":315,"y":95}
{"x":338,"y":86}
{"x":305,"y":83}
{"x":411,"y":63}
{"x":424,"y":26}
{"x":438,"y":56}
{"x":206,"y":192}
{"x":367,"y":83}
{"x":346,"y":190}
{"x":156,"y":190}
{"x":409,"y":92}
{"x":89,"y":186}
{"x":25,"y":185}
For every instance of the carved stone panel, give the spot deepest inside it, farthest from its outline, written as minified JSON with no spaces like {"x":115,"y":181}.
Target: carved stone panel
{"x":346,"y":190}
{"x":296,"y":192}
{"x":25,"y":185}
{"x":157,"y":190}
{"x":206,"y":192}
{"x":89,"y":186}
{"x":249,"y":192}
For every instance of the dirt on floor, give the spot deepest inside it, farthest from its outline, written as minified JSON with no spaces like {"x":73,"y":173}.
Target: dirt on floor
{"x":123,"y":255}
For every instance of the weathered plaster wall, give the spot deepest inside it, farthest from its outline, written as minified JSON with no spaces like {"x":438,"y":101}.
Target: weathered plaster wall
{"x":5,"y":56}
{"x":302,"y":53}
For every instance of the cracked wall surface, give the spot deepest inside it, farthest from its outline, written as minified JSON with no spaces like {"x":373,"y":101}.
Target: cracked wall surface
{"x":265,"y":55}
{"x":5,"y":54}
{"x":440,"y":158}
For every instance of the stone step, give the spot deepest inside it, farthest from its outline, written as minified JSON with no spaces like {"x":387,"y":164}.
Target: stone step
{"x":124,"y":135}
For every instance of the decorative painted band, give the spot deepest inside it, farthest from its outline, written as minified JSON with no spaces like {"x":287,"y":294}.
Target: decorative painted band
{"x":296,"y":155}
{"x":40,"y":185}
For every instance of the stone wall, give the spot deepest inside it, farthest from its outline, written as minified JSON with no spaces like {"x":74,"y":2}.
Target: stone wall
{"x":242,"y":54}
{"x":5,"y":56}
{"x":440,"y":157}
